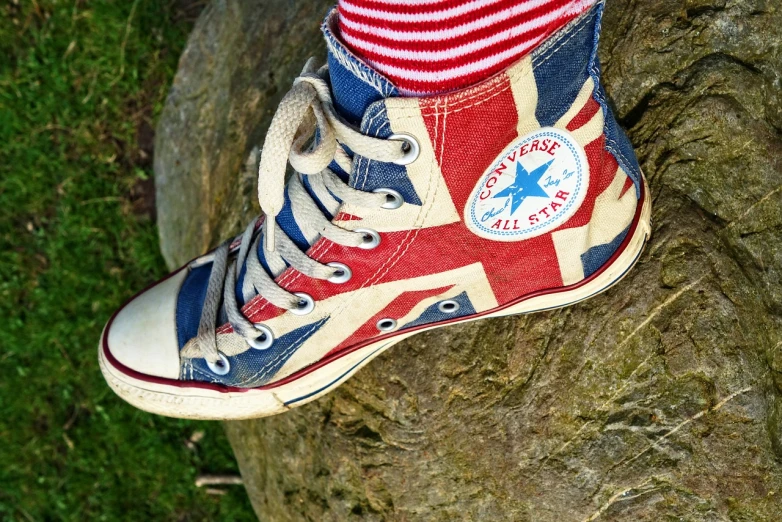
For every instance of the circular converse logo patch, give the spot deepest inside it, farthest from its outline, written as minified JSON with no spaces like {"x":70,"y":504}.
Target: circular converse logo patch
{"x":533,"y":187}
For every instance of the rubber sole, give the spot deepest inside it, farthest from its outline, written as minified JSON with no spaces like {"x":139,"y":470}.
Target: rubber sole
{"x":207,"y":401}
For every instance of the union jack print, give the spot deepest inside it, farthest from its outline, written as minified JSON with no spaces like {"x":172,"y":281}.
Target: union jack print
{"x":427,"y":254}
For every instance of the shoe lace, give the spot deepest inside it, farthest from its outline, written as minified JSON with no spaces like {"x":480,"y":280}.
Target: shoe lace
{"x":307,"y":132}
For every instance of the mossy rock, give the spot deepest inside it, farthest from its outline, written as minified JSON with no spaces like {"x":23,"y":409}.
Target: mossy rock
{"x":658,"y":400}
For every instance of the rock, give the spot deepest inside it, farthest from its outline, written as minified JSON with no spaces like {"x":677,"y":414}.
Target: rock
{"x":240,"y":60}
{"x":658,"y":400}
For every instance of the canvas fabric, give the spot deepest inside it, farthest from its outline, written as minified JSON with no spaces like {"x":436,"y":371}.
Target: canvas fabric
{"x":428,"y":254}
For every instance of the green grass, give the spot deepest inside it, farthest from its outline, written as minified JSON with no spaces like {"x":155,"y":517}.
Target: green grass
{"x":81,"y":85}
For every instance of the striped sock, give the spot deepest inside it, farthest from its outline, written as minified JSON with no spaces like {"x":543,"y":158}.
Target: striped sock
{"x":434,"y":46}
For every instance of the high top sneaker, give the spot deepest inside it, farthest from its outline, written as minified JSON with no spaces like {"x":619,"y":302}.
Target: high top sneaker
{"x":517,"y":195}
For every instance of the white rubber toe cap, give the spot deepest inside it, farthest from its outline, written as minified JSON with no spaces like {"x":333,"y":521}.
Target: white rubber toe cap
{"x":143,"y":334}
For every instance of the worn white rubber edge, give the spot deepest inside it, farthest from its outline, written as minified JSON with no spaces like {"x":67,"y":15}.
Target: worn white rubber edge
{"x":200,"y":403}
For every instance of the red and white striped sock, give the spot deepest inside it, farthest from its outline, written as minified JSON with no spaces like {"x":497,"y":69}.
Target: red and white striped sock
{"x":434,"y":46}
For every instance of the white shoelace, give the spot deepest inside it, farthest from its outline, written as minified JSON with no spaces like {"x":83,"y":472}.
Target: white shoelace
{"x":307,"y":131}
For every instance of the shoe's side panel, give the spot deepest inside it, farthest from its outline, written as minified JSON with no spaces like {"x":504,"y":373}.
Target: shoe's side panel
{"x":427,"y":241}
{"x":588,"y":240}
{"x":561,"y":220}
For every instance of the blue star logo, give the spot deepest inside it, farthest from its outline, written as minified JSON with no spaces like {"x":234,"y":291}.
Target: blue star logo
{"x":526,"y":185}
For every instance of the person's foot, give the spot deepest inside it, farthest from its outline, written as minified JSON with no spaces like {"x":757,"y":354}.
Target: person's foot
{"x":517,"y":195}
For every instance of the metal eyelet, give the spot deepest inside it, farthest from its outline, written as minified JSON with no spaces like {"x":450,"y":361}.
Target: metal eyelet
{"x":263,"y":341}
{"x":221,"y":366}
{"x":371,"y":238}
{"x":341,"y":275}
{"x":386,"y":325}
{"x":448,"y":307}
{"x":394,"y":199}
{"x":306,"y":304}
{"x":410,"y":147}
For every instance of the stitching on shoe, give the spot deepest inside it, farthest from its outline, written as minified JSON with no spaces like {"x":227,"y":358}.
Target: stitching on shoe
{"x":485,"y":95}
{"x":203,"y":373}
{"x":291,"y":348}
{"x":406,"y":242}
{"x":366,"y":161}
{"x":478,"y":91}
{"x":546,"y":54}
{"x":290,"y":277}
{"x":419,"y":225}
{"x":452,"y":104}
{"x":391,"y":259}
{"x":479,"y":102}
{"x":356,"y":68}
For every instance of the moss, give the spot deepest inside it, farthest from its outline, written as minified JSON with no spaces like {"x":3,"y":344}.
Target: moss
{"x":81,"y":86}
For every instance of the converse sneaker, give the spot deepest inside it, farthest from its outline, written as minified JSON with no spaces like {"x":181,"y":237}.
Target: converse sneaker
{"x":517,"y":195}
